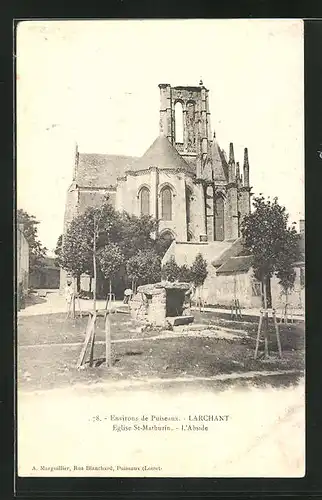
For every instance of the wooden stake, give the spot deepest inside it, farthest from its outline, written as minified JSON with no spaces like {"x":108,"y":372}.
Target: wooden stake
{"x":258,"y":334}
{"x":79,"y":306}
{"x":88,"y":335}
{"x":108,"y":353}
{"x":277,"y":334}
{"x":266,"y":334}
{"x":91,"y":354}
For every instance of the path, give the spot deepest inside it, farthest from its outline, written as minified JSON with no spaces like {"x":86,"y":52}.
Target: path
{"x":55,"y":303}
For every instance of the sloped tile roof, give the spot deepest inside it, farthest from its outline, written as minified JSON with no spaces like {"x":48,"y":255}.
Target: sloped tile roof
{"x":101,"y":170}
{"x":236,"y":265}
{"x":163,"y":155}
{"x":236,"y":248}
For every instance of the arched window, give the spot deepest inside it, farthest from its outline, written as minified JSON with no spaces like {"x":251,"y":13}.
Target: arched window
{"x":145,"y":201}
{"x":219,"y":219}
{"x":166,"y":204}
{"x":178,"y":119}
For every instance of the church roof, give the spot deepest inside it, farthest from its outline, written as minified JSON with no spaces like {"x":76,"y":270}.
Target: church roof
{"x":163,"y":155}
{"x":101,"y":170}
{"x":220,"y":166}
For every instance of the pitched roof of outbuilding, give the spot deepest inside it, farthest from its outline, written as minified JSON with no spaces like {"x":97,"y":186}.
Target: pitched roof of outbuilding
{"x":236,"y":265}
{"x":163,"y":155}
{"x":101,"y":170}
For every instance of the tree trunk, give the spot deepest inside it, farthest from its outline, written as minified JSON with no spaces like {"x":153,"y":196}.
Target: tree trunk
{"x":73,"y":299}
{"x":90,"y":284}
{"x":286,"y":306}
{"x":94,"y":266}
{"x":78,"y":284}
{"x":265,"y":325}
{"x":109,"y":293}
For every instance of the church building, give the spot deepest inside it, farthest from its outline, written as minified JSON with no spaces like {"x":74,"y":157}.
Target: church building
{"x":186,"y":182}
{"x":183,"y":179}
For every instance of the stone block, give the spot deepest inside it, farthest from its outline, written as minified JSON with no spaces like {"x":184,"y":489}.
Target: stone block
{"x":180,"y":320}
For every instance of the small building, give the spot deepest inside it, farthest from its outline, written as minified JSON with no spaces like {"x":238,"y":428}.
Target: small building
{"x":163,"y":303}
{"x":22,"y":250}
{"x":231,"y":276}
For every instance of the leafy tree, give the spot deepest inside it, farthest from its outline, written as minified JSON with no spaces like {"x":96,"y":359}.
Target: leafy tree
{"x":111,"y":259}
{"x":198,"y":270}
{"x":162,"y":244}
{"x":86,"y":234}
{"x":171,"y":270}
{"x":144,"y":267}
{"x":134,"y":234}
{"x":184,"y":273}
{"x":58,"y":250}
{"x":273,"y":245}
{"x":37,"y":251}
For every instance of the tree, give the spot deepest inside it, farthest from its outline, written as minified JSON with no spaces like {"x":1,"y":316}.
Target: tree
{"x":273,"y":245}
{"x":37,"y":251}
{"x":58,"y":250}
{"x":184,"y":273}
{"x":198,"y":270}
{"x":198,"y":274}
{"x":86,"y":234}
{"x":144,"y":267}
{"x":135,"y":233}
{"x":171,"y":270}
{"x":111,"y":259}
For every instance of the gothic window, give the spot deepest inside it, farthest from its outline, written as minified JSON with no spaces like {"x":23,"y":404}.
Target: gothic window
{"x":178,"y":117}
{"x":219,"y":219}
{"x":145,"y":201}
{"x":166,"y":203}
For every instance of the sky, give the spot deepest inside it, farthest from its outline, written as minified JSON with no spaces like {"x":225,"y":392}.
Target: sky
{"x":95,"y":83}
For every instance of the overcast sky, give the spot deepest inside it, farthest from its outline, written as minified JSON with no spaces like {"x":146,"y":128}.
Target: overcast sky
{"x":96,"y":83}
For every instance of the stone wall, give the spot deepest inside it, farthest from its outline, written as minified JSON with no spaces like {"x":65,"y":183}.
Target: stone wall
{"x":22,"y":253}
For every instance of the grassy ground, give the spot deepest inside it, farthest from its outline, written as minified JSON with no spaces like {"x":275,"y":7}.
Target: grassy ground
{"x":42,"y":365}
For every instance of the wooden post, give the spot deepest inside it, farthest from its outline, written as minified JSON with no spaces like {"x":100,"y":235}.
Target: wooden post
{"x":277,"y":335}
{"x":73,"y":301}
{"x":88,"y":335}
{"x":108,"y":353}
{"x":91,"y":354}
{"x":94,"y":266}
{"x":266,"y":334}
{"x":79,"y":306}
{"x":258,"y":334}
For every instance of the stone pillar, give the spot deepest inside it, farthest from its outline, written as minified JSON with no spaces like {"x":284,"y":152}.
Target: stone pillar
{"x":246,"y":168}
{"x":185,"y":129}
{"x":157,"y":309}
{"x":209,"y":132}
{"x":165,"y":111}
{"x":154,"y":182}
{"x":244,"y":201}
{"x":232,"y":212}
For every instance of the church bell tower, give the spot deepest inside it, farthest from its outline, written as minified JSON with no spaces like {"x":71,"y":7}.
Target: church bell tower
{"x":185,"y":121}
